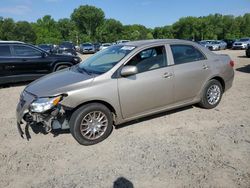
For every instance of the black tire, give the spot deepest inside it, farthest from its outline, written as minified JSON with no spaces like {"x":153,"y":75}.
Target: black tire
{"x":78,"y":116}
{"x":204,"y":103}
{"x":61,"y":67}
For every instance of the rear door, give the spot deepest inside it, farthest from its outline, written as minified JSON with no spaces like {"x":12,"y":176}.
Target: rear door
{"x":191,"y":70}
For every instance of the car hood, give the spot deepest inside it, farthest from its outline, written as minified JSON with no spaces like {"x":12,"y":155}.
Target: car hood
{"x":59,"y":82}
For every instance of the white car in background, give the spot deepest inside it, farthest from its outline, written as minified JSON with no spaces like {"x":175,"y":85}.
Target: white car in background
{"x":241,"y":44}
{"x":217,"y":45}
{"x":105,"y":45}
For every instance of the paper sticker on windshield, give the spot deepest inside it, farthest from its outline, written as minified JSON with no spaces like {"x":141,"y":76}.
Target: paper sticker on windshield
{"x":127,"y":48}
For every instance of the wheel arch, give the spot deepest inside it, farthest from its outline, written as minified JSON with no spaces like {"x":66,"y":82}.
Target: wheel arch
{"x":219,"y":79}
{"x":108,"y":105}
{"x":57,"y":64}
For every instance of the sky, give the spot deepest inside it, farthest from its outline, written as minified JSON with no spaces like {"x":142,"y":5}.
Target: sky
{"x":151,"y":13}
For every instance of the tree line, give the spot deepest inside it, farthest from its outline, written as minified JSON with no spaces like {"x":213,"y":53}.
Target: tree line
{"x":88,"y":24}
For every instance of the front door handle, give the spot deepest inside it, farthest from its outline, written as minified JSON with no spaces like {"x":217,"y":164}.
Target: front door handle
{"x":205,"y":67}
{"x":167,"y":75}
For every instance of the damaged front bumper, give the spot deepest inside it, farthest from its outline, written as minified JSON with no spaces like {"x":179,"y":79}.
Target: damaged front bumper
{"x":54,"y":118}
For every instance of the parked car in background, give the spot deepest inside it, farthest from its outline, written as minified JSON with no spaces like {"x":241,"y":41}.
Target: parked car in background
{"x":47,"y":47}
{"x":122,"y":41}
{"x":217,"y":45}
{"x":205,"y":42}
{"x":105,"y":45}
{"x":67,"y":48}
{"x":77,"y":48}
{"x":87,"y":48}
{"x":97,"y":46}
{"x":241,"y":44}
{"x":248,"y":51}
{"x":123,"y":83}
{"x":229,"y":43}
{"x":24,"y":62}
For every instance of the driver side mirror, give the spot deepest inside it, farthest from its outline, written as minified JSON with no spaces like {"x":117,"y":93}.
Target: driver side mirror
{"x":129,"y":70}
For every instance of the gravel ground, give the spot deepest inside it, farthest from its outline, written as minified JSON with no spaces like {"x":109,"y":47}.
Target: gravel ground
{"x":189,"y":147}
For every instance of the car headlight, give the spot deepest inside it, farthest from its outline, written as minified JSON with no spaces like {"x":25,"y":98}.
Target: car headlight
{"x":43,"y":104}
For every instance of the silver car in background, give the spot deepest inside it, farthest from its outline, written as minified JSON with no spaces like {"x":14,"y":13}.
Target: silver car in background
{"x":105,"y":45}
{"x":122,"y":83}
{"x":87,"y":48}
{"x":204,"y":43}
{"x":241,"y":44}
{"x":217,"y":45}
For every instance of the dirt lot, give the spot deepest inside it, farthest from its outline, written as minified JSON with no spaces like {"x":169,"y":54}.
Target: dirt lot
{"x":190,"y":147}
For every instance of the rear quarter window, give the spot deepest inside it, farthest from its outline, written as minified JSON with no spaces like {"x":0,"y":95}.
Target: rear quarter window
{"x":186,"y":53}
{"x":4,"y":51}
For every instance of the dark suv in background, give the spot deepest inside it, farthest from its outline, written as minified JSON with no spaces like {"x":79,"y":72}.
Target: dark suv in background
{"x":67,"y":48}
{"x":25,"y":62}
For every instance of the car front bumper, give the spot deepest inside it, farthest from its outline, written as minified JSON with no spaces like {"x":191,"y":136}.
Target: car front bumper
{"x":53,"y":119}
{"x":239,"y":47}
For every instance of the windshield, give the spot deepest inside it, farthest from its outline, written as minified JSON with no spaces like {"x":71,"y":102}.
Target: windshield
{"x":244,"y":40}
{"x":106,"y":59}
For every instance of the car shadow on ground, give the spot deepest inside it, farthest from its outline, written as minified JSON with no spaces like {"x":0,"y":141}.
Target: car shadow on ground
{"x":2,"y":86}
{"x":153,"y":117}
{"x":245,"y":69}
{"x":39,"y":129}
{"x":122,"y":182}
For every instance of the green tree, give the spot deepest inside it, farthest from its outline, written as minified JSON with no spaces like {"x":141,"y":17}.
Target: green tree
{"x":110,"y":31}
{"x":47,"y":31}
{"x":88,"y":19}
{"x":136,"y":32}
{"x":23,"y":31}
{"x":163,"y":32}
{"x":7,"y":29}
{"x":65,"y":27}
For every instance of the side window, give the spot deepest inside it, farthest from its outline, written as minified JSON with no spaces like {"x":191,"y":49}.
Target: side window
{"x":5,"y":51}
{"x":149,"y":59}
{"x":185,"y":54}
{"x":25,"y":51}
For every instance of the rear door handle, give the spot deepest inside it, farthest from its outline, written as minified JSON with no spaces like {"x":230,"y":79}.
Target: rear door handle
{"x":167,"y":75}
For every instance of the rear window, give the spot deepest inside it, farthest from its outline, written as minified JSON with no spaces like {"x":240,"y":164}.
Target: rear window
{"x":186,"y":53}
{"x":5,"y":51}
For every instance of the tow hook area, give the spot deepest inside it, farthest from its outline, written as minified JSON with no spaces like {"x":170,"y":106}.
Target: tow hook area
{"x":43,"y":123}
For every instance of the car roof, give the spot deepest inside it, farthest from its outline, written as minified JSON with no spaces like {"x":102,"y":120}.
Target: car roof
{"x":157,"y":41}
{"x":10,"y":42}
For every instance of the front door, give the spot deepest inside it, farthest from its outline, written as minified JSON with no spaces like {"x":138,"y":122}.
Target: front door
{"x":151,"y":88}
{"x":28,"y":61}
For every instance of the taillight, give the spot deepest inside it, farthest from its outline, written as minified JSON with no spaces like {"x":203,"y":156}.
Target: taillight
{"x":231,"y":63}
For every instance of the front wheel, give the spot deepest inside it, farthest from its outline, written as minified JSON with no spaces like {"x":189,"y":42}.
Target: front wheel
{"x":91,"y":123}
{"x":212,"y":94}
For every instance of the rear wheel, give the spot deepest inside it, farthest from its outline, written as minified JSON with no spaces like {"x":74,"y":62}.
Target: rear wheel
{"x":91,"y":123}
{"x":212,"y":94}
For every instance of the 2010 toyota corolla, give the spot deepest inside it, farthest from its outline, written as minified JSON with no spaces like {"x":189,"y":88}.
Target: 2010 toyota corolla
{"x":122,"y":83}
